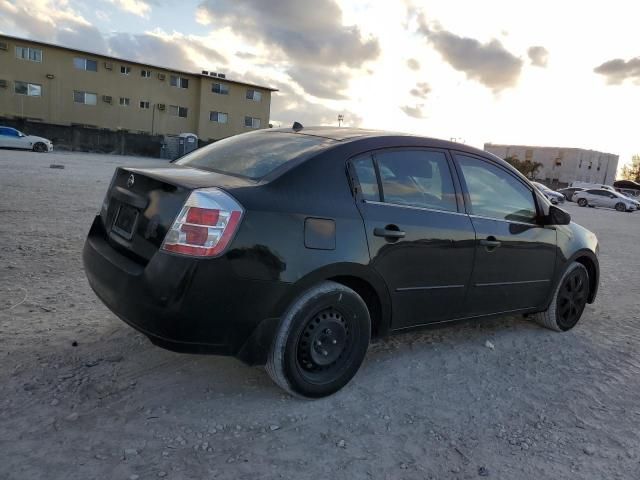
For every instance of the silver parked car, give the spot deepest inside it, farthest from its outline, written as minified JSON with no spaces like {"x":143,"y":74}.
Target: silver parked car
{"x":554,"y":197}
{"x":12,"y":138}
{"x":604,"y":198}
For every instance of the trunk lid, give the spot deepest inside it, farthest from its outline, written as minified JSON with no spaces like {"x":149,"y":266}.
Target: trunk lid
{"x":142,"y":204}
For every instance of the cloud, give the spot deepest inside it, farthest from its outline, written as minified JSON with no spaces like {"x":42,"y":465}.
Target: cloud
{"x":421,"y":90}
{"x":488,"y":63}
{"x":136,"y":7}
{"x":321,"y":82}
{"x":538,"y":56}
{"x":159,"y":48}
{"x":416,"y":111}
{"x":306,"y":34}
{"x":616,"y":71}
{"x":413,"y":64}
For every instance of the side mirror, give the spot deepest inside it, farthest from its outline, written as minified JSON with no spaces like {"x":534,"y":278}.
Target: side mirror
{"x":557,"y":216}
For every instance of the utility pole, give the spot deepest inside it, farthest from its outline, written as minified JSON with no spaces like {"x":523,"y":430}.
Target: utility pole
{"x":340,"y":119}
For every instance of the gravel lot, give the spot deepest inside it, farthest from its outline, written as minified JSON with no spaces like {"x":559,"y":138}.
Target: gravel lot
{"x":86,"y":397}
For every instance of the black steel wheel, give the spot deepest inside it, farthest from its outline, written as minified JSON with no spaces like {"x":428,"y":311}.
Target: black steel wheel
{"x":569,"y":300}
{"x":620,"y":207}
{"x":582,"y":202}
{"x":321,"y":341}
{"x":572,"y":298}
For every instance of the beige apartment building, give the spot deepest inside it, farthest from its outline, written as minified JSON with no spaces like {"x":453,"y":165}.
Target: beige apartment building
{"x":53,"y":84}
{"x":561,"y":166}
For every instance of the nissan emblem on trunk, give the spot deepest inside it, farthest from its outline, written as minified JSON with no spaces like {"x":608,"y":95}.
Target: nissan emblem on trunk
{"x":131,"y":181}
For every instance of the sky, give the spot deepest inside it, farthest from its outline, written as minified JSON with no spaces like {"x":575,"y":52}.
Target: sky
{"x":549,"y":73}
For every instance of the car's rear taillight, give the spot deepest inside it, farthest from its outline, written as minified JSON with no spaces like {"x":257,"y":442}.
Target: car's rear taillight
{"x":205,"y":225}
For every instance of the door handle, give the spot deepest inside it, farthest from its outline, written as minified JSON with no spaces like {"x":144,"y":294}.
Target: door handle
{"x":490,"y":242}
{"x":389,"y":232}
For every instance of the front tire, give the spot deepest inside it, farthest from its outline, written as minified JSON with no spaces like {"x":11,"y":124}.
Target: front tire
{"x":621,"y":207}
{"x":582,"y":202}
{"x":40,"y":147}
{"x":569,"y":300}
{"x":321,"y":341}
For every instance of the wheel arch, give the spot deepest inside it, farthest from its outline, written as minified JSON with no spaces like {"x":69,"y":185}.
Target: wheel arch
{"x":590,"y":262}
{"x":361,"y":279}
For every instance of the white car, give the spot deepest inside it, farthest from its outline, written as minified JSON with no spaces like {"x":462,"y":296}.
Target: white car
{"x":12,"y":138}
{"x":598,"y":197}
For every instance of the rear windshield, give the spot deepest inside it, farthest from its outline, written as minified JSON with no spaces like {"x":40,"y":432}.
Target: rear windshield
{"x":253,"y":154}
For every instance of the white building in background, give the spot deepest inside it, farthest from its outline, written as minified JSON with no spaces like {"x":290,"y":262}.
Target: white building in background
{"x":561,"y":166}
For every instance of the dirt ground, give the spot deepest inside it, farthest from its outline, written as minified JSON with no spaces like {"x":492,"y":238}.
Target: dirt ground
{"x":83,"y":396}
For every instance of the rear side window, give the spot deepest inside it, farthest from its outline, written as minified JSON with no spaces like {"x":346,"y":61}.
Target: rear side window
{"x":494,"y":193}
{"x":253,"y":155}
{"x":367,"y":180}
{"x":418,"y":178}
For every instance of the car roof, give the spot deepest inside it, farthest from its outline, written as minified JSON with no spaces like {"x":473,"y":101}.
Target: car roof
{"x":345,"y":135}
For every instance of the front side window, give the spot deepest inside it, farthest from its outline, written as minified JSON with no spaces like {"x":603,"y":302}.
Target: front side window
{"x":495,"y":193}
{"x":251,"y":122}
{"x":29,"y":89}
{"x":367,"y":179}
{"x":85,"y":64}
{"x":9,"y":132}
{"x":31,"y":54}
{"x":86,"y":98}
{"x":219,"y":117}
{"x":220,"y":88}
{"x":419,"y":178}
{"x":254,"y":95}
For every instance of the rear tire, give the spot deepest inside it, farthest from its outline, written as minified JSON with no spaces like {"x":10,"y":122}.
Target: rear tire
{"x":321,"y":341}
{"x":569,"y":300}
{"x":583,"y":202}
{"x":621,"y":207}
{"x":40,"y":147}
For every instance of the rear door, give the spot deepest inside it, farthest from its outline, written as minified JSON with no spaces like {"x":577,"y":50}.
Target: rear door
{"x":514,"y":255}
{"x":420,"y":241}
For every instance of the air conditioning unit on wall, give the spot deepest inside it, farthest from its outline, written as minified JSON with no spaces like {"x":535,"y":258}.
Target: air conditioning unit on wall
{"x":4,"y":46}
{"x":107,"y":98}
{"x":3,"y":84}
{"x":108,"y":66}
{"x":161,"y":76}
{"x":161,"y":106}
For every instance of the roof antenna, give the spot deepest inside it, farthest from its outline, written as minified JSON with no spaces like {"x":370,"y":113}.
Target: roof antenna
{"x":297,"y":126}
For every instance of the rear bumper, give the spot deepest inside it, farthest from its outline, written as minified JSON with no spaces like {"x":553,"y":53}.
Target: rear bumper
{"x":184,"y":304}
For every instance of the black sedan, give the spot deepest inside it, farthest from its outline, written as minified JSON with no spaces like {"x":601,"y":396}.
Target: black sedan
{"x":291,"y":248}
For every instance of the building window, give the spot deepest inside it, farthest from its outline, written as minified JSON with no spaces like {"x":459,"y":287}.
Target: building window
{"x":219,"y":117}
{"x":220,"y":88}
{"x":254,"y":95}
{"x":31,"y":54}
{"x":124,"y":70}
{"x":177,"y":111}
{"x":145,"y":73}
{"x":125,"y":102}
{"x":251,"y":122}
{"x":144,"y":105}
{"x":179,"y":82}
{"x":85,"y":98}
{"x":29,"y":89}
{"x":85,"y":64}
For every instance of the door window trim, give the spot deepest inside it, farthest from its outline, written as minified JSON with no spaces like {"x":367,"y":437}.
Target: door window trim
{"x":467,"y":197}
{"x":457,"y":188}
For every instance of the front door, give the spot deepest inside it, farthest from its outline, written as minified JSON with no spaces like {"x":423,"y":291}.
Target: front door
{"x":514,"y":255}
{"x":420,"y":241}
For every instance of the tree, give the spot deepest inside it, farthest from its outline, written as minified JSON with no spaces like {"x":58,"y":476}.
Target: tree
{"x":525,"y":167}
{"x":632,"y":170}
